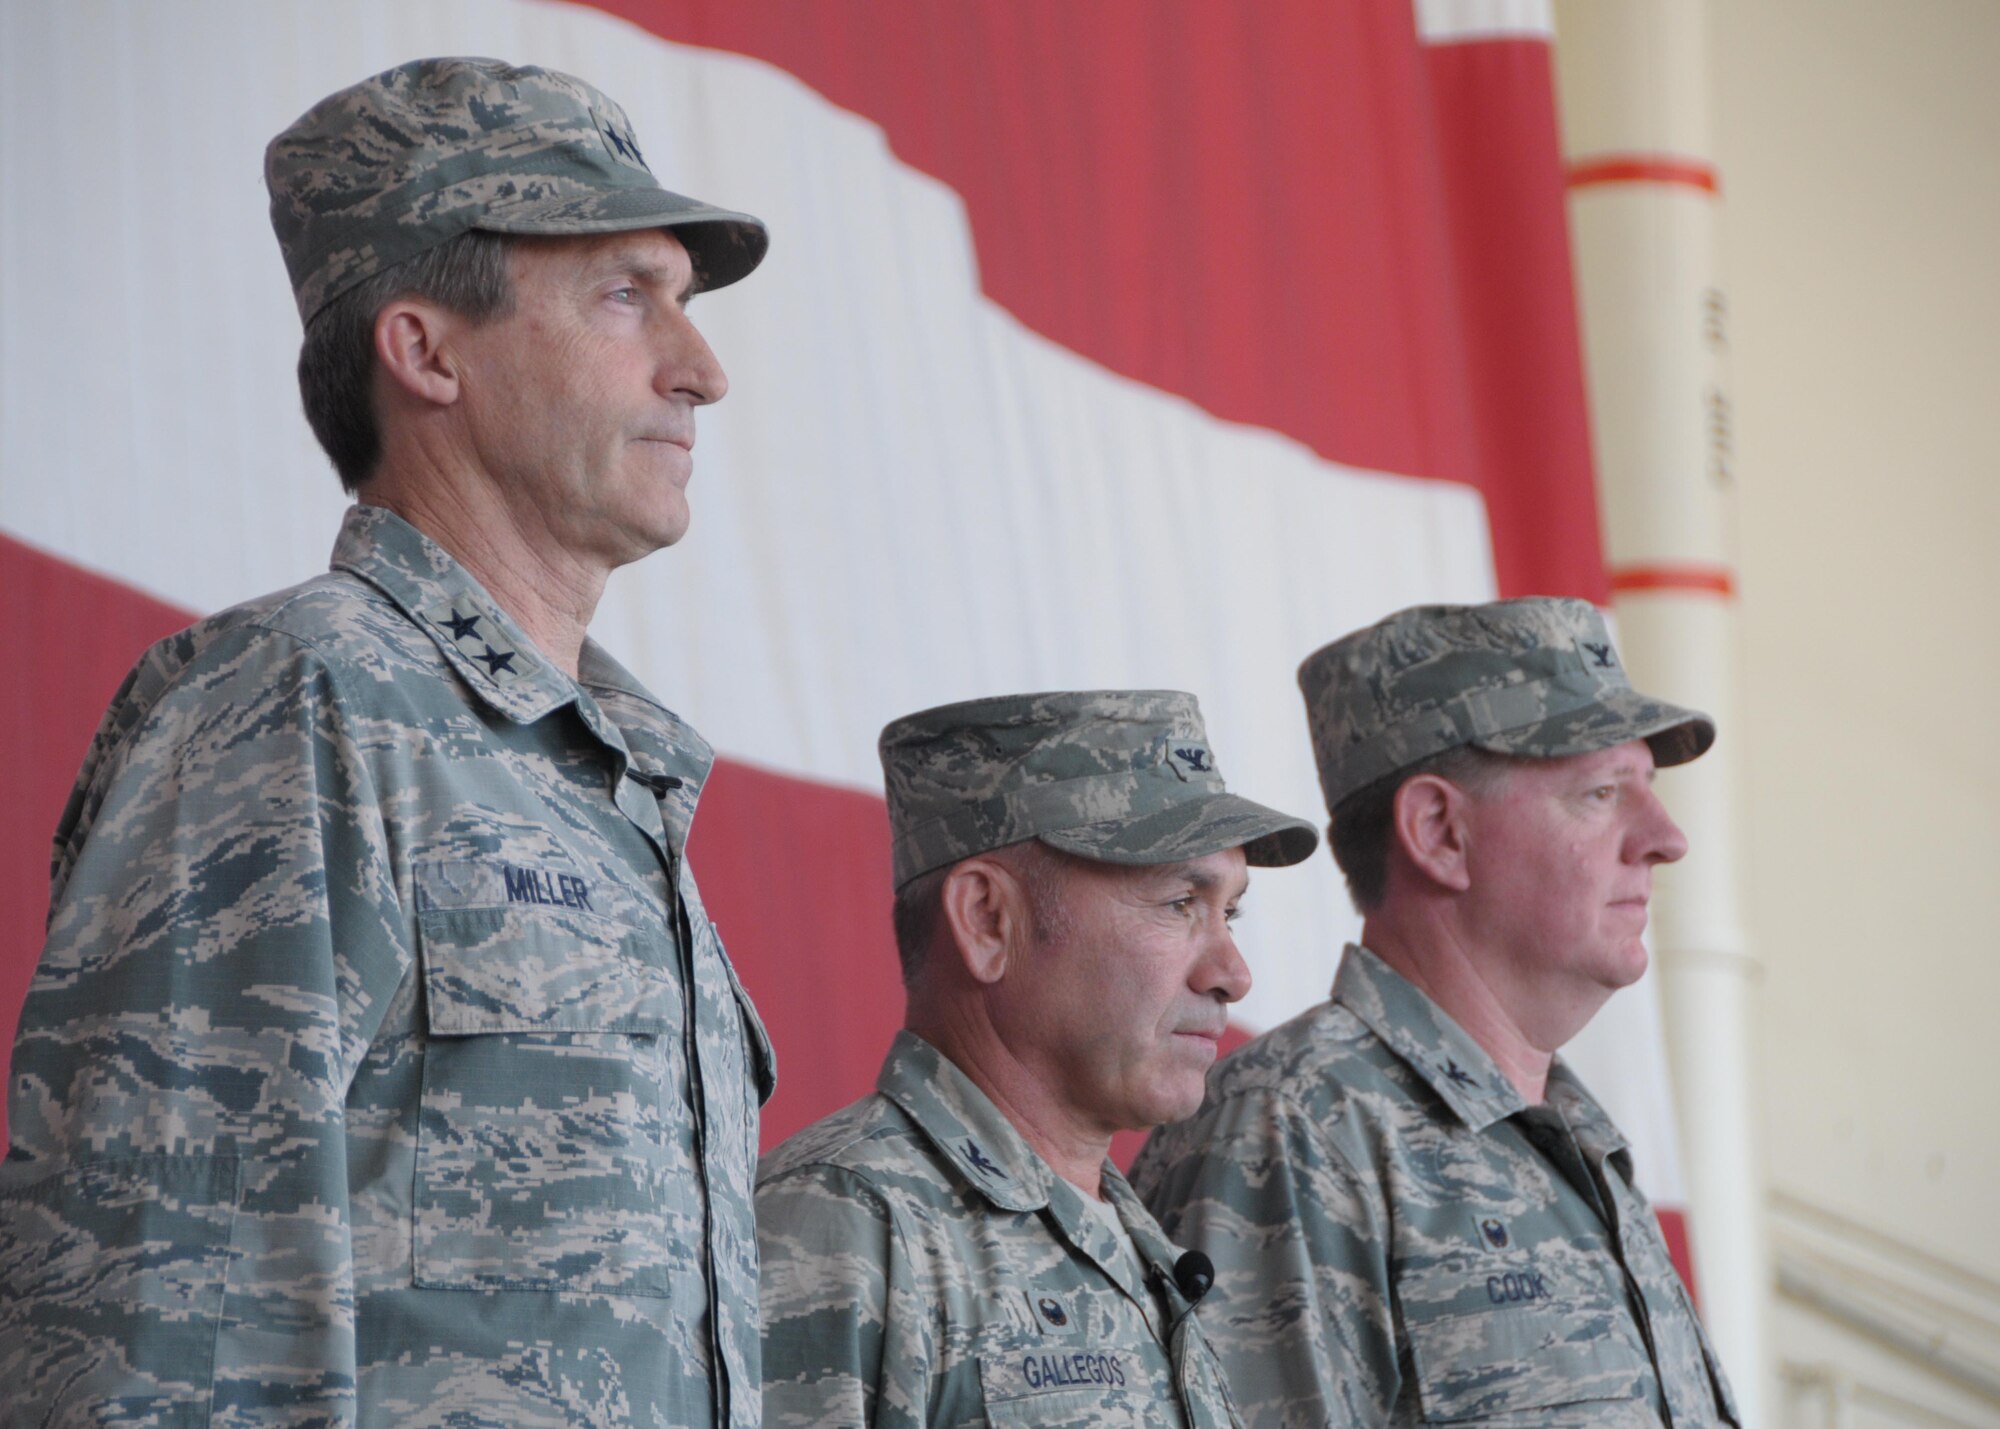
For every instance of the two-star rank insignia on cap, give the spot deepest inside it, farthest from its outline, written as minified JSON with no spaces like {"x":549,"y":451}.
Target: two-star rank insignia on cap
{"x":621,"y":142}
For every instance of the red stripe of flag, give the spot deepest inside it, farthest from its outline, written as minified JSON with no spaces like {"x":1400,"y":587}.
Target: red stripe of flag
{"x":1294,"y":215}
{"x":1674,"y":1230}
{"x":796,"y":876}
{"x":67,"y":639}
{"x":1500,"y":177}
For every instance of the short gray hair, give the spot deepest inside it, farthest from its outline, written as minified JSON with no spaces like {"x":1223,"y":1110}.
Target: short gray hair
{"x":468,"y":274}
{"x":919,"y":912}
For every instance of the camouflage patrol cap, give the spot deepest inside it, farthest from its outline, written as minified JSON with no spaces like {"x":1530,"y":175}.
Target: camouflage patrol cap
{"x":385,"y":169}
{"x":1119,"y":776}
{"x":1537,"y":677}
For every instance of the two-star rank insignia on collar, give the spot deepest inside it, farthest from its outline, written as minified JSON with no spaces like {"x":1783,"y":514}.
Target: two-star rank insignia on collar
{"x":479,"y":635}
{"x":978,"y":1159}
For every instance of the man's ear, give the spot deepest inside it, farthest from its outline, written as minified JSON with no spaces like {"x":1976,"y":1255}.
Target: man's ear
{"x":985,"y":915}
{"x":1430,"y":826}
{"x":412,"y":350}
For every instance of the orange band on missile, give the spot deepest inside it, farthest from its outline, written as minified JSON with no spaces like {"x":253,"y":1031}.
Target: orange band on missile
{"x":1645,"y":169}
{"x":1686,"y":576}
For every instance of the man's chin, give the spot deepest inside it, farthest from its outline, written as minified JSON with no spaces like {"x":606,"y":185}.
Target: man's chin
{"x":640,"y":539}
{"x":1627,"y":966}
{"x":671,"y":522}
{"x":1176,"y":1103}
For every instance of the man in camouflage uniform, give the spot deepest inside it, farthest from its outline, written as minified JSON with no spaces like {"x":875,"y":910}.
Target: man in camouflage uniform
{"x":957,"y":1249}
{"x":381,"y":1064}
{"x":1417,"y":1213}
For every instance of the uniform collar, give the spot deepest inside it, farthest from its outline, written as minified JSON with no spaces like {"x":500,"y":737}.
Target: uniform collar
{"x":1436,"y":1048}
{"x":1092,"y":1238}
{"x":992,"y":1157}
{"x":1597,"y":1136}
{"x":501,"y":665}
{"x":1159,"y":1254}
{"x":663,"y":748}
{"x":964,"y":1125}
{"x":491,"y":653}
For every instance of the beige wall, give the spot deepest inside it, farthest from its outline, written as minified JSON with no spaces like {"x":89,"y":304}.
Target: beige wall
{"x":1859,"y":148}
{"x":1859,"y":145}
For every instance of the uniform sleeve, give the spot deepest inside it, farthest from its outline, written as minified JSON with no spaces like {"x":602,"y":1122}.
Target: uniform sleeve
{"x":848,"y":1336}
{"x":174,"y":1232}
{"x":1301,"y":1312}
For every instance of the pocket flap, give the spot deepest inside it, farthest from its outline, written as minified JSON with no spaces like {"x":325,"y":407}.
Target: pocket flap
{"x":540,"y":970}
{"x":1501,"y":1362}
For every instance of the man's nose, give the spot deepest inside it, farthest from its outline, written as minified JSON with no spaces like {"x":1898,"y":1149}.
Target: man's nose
{"x":1659,"y":838}
{"x":1222,"y":972}
{"x":689,"y":365}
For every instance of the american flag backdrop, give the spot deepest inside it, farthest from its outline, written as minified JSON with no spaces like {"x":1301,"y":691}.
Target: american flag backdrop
{"x":1129,"y":343}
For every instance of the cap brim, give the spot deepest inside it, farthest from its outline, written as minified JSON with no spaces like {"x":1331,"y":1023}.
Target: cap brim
{"x":1193,"y":829}
{"x":725,"y":246}
{"x":1675,"y":735}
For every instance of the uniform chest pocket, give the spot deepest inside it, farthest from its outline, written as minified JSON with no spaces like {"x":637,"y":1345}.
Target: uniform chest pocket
{"x":550,"y":1128}
{"x":1075,"y":1383}
{"x":1526,"y":1364}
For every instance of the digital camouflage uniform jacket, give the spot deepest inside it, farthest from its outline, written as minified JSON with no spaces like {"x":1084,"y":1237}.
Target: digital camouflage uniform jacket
{"x":373,"y":1067}
{"x":923,"y":1266}
{"x":1399,"y":1239}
